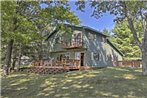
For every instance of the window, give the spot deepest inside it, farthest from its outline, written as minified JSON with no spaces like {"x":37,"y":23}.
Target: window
{"x":92,"y":56}
{"x":100,"y":57}
{"x":67,"y":56}
{"x":57,"y":40}
{"x":77,"y":39}
{"x":64,"y":57}
{"x":94,"y":36}
{"x":77,"y":55}
{"x":97,"y":56}
{"x":109,"y":57}
{"x":90,"y":36}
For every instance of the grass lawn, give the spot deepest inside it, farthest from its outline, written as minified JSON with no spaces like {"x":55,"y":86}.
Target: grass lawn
{"x":112,"y":82}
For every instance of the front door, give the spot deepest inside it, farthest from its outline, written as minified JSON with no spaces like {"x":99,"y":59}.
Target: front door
{"x":82,"y":59}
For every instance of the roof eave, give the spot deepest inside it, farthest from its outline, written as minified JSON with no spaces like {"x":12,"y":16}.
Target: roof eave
{"x":115,"y":48}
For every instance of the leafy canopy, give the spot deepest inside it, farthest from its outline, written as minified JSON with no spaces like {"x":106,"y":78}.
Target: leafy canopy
{"x":123,"y":39}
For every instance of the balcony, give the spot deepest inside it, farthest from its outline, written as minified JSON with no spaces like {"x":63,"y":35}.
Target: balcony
{"x":73,"y":45}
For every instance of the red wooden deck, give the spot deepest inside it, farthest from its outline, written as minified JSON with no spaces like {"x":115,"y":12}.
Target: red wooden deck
{"x":54,"y":66}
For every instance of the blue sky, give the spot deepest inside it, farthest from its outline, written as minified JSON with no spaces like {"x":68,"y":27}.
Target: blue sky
{"x":106,"y":21}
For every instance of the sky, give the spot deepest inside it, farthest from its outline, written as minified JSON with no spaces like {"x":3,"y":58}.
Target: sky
{"x":104,"y":22}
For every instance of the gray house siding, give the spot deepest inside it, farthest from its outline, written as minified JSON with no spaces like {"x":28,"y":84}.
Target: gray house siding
{"x":97,"y":46}
{"x":98,"y":52}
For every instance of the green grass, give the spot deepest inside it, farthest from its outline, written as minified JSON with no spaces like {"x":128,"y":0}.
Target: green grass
{"x":112,"y":82}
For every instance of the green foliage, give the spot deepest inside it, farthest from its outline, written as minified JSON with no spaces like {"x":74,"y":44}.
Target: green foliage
{"x":15,"y":25}
{"x":106,"y":32}
{"x":27,"y":23}
{"x":123,"y":39}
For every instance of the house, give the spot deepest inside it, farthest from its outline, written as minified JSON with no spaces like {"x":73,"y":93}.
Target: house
{"x":84,"y":45}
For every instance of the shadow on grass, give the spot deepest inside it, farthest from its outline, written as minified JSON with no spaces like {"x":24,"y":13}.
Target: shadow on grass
{"x":108,"y":82}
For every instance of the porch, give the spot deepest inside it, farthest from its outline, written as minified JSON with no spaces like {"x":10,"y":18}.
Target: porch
{"x":67,"y":64}
{"x":54,"y":66}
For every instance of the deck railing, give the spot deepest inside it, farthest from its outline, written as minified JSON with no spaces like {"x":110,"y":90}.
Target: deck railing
{"x":70,"y":63}
{"x":129,"y":63}
{"x":73,"y":44}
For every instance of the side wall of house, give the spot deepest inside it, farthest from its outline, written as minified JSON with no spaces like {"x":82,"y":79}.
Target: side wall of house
{"x":99,"y":52}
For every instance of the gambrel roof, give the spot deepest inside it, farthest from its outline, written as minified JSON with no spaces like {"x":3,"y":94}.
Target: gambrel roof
{"x":91,"y":29}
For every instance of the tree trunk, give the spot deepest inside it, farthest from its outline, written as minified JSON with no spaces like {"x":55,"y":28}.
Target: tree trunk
{"x":19,"y":62}
{"x":8,"y":57}
{"x":19,"y":58}
{"x":142,"y":46}
{"x":13,"y":63}
{"x":144,"y":62}
{"x":144,"y":54}
{"x":40,"y":51}
{"x":14,"y":57}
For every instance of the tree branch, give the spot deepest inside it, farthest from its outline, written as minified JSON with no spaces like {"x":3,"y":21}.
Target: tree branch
{"x":131,"y":26}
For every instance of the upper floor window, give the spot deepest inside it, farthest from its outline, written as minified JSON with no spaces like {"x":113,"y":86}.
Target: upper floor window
{"x":95,"y":36}
{"x":95,"y":56}
{"x":92,"y":36}
{"x":59,"y":39}
{"x":77,"y":39}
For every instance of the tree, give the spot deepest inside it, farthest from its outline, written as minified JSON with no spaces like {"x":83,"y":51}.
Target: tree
{"x":123,"y":39}
{"x":54,"y":15}
{"x":106,"y":32}
{"x":23,"y":22}
{"x":129,"y":10}
{"x":13,"y":22}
